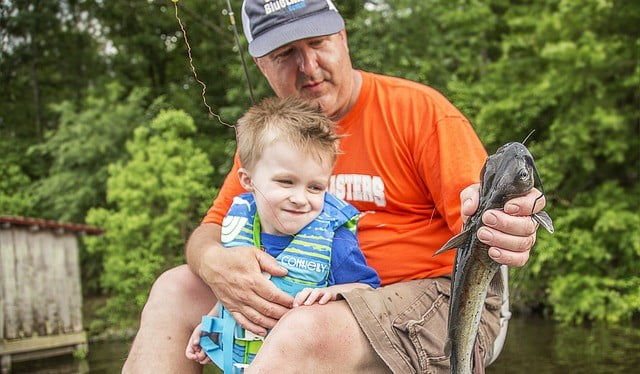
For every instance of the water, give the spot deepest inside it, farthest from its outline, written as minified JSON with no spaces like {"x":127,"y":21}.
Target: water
{"x":532,"y":346}
{"x":103,"y":358}
{"x":538,"y":346}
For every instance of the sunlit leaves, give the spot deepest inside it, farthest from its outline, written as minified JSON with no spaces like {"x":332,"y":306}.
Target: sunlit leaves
{"x":156,"y":196}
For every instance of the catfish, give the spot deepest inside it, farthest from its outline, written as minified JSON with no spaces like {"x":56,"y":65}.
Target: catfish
{"x":507,"y":174}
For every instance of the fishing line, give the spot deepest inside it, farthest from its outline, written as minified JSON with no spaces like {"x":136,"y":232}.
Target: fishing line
{"x":232,"y":20}
{"x":536,"y":178}
{"x":282,"y":227}
{"x":273,"y":210}
{"x":433,"y":213}
{"x":536,"y":175}
{"x":193,"y":69}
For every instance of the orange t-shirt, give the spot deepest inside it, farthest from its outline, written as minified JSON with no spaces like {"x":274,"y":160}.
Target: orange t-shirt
{"x":406,"y":155}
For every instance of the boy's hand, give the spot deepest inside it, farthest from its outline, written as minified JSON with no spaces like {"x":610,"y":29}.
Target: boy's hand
{"x":194,"y":351}
{"x":308,"y":296}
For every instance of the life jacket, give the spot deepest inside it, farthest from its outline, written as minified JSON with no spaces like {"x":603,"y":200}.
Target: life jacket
{"x":307,"y":259}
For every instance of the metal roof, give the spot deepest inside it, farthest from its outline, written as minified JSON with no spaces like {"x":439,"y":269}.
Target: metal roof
{"x":8,"y":221}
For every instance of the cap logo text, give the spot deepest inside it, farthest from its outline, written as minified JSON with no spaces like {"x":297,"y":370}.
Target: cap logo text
{"x":271,"y":6}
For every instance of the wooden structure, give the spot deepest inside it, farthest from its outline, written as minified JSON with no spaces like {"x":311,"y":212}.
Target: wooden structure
{"x":40,"y":294}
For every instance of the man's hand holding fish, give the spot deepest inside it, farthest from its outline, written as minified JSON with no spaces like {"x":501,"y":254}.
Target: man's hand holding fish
{"x":510,"y":250}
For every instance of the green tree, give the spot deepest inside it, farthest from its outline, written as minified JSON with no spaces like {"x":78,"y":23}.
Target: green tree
{"x":148,"y":50}
{"x":156,"y":198}
{"x":47,"y":55}
{"x":434,"y":42}
{"x":54,"y":52}
{"x":86,"y":141}
{"x":569,"y":70}
{"x":14,"y":184}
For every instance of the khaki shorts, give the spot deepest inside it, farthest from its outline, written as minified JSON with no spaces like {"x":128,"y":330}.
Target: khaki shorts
{"x":406,"y":324}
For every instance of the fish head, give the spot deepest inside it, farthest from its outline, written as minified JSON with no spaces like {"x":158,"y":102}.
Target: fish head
{"x":516,"y":170}
{"x":508,"y":173}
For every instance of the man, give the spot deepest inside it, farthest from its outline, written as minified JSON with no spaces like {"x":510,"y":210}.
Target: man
{"x":408,"y":155}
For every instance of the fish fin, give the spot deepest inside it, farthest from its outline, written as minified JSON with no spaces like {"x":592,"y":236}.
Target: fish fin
{"x":544,"y":220}
{"x":497,"y":283}
{"x":447,"y":348}
{"x":455,"y":242}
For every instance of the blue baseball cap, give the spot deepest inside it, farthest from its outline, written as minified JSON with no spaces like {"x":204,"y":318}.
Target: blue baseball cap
{"x":270,"y":24}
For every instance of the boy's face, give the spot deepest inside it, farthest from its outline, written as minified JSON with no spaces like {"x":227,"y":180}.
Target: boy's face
{"x":288,"y":186}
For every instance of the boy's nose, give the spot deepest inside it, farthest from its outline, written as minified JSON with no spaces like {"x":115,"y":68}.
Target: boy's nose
{"x":297,"y":196}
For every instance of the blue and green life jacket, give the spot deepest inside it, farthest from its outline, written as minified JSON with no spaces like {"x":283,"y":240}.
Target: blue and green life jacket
{"x":307,"y":259}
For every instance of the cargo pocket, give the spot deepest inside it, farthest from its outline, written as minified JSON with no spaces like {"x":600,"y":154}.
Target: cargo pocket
{"x":422,"y":327}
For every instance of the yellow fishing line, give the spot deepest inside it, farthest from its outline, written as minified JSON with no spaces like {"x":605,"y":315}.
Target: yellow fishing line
{"x":193,"y":68}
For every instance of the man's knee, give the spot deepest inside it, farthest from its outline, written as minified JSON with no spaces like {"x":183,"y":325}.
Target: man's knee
{"x":177,"y":301}
{"x":178,"y":288}
{"x":179,"y":282}
{"x":317,"y":328}
{"x":318,"y":338}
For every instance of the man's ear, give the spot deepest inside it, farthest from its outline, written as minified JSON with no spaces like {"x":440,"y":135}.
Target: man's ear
{"x":258,"y":63}
{"x":245,"y":179}
{"x":343,"y":34}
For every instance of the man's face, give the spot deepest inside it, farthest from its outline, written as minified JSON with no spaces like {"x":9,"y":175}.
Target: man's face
{"x":318,"y":69}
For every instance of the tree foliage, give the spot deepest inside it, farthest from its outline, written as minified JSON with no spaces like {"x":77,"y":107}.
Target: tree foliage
{"x":46,"y":54}
{"x":14,"y":185}
{"x":571,"y":74}
{"x":434,"y":42}
{"x":567,"y":69}
{"x":87,"y":140}
{"x":156,"y":197}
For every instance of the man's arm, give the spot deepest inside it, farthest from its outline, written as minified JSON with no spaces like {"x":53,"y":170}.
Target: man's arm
{"x":235,"y":276}
{"x":510,"y":233}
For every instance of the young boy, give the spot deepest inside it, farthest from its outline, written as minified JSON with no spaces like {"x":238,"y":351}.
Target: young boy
{"x":287,"y":149}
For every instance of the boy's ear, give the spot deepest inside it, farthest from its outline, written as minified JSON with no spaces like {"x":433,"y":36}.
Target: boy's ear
{"x":245,"y":179}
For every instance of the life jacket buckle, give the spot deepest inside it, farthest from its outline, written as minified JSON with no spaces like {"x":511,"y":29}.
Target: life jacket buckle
{"x":239,"y":368}
{"x":246,"y":335}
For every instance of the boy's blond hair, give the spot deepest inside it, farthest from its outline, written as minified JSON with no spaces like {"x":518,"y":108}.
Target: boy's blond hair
{"x":292,"y":120}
